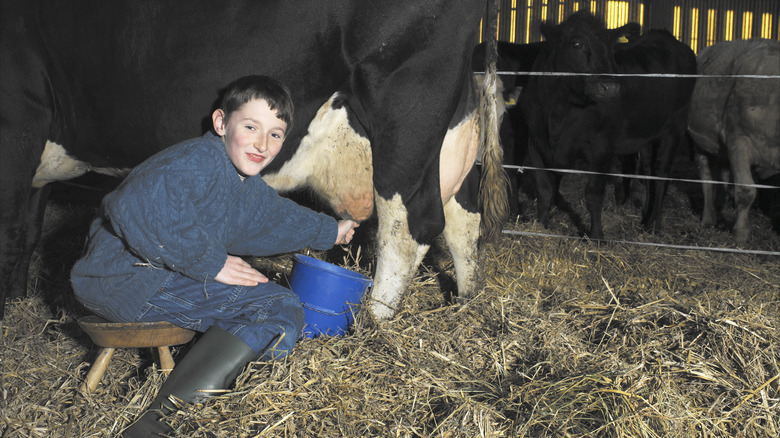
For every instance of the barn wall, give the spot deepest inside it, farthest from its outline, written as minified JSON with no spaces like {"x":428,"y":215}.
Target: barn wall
{"x":698,"y":23}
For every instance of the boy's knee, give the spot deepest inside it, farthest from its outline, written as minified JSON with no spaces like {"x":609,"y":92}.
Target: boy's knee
{"x":289,"y":320}
{"x":297,"y":317}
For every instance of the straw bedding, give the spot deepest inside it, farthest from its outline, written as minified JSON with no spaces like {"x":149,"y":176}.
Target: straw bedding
{"x":569,"y":338}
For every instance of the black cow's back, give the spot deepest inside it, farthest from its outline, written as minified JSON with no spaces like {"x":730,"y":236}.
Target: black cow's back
{"x":647,"y":103}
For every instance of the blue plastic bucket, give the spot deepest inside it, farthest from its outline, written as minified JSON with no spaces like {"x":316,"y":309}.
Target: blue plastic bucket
{"x":330,"y":295}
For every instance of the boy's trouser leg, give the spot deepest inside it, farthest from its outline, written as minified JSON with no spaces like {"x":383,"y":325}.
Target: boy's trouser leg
{"x":240,"y":324}
{"x":211,"y":364}
{"x":267,"y":317}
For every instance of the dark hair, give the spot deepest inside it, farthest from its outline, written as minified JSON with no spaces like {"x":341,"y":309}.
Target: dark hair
{"x":247,"y":88}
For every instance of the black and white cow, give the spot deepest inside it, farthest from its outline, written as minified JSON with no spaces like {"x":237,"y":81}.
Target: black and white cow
{"x":736,"y":121}
{"x":386,"y":109}
{"x":594,"y":117}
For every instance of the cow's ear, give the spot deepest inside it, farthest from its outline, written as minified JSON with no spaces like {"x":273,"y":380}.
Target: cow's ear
{"x":625,"y":33}
{"x":218,"y":120}
{"x":550,"y":32}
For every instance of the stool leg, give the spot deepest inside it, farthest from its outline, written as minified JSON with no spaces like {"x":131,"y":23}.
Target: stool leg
{"x":97,"y":370}
{"x":166,"y":360}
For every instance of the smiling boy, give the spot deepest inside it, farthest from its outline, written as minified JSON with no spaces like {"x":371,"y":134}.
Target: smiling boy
{"x":166,"y":245}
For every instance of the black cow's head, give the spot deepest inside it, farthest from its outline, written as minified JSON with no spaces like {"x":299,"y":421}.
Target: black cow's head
{"x":578,"y":44}
{"x":582,"y":44}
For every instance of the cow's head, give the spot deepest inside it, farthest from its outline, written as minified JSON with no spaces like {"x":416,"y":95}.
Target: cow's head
{"x":579,"y":45}
{"x":582,"y":44}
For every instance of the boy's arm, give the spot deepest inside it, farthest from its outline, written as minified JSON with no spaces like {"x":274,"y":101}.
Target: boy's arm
{"x":285,"y":226}
{"x":157,"y":218}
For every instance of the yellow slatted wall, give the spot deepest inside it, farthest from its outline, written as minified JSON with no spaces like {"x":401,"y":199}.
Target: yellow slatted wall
{"x":699,"y":23}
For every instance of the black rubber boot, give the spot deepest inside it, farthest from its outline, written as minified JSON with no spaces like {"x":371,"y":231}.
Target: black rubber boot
{"x":212,"y":363}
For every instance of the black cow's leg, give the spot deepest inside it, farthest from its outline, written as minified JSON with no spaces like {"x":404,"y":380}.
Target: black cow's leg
{"x":546,"y":186}
{"x":659,"y":163}
{"x":622,"y":184}
{"x":653,"y":192}
{"x":594,"y":198}
{"x":545,"y":195}
{"x":22,"y":137}
{"x":654,"y":203}
{"x":20,"y":231}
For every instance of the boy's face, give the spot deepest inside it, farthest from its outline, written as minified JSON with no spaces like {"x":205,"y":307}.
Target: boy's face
{"x":252,"y":135}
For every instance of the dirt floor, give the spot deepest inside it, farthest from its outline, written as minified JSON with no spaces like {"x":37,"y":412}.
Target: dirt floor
{"x":569,"y":338}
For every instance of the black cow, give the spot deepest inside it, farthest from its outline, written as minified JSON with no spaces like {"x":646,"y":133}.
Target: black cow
{"x":384,"y":95}
{"x":595,"y":117}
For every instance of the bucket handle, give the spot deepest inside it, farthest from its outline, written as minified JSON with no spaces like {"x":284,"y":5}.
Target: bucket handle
{"x":325,"y":311}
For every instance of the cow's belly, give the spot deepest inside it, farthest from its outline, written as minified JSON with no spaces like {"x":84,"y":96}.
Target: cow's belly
{"x":458,"y":154}
{"x":57,"y":165}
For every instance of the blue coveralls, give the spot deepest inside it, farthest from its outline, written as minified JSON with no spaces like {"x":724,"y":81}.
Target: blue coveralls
{"x":163,"y":235}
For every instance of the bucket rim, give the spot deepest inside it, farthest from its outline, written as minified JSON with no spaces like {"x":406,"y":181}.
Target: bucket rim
{"x":330,"y":312}
{"x":331,"y":268}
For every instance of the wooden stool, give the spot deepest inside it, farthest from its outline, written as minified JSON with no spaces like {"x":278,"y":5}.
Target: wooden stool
{"x":112,"y":335}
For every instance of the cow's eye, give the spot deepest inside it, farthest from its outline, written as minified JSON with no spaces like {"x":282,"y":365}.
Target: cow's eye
{"x":576,"y":44}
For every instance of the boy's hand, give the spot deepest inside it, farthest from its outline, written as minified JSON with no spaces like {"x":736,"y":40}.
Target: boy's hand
{"x":237,"y":272}
{"x":346,"y":231}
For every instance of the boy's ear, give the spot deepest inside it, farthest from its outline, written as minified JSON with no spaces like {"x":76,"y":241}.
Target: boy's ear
{"x":218,"y":120}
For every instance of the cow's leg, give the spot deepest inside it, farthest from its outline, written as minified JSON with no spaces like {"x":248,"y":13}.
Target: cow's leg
{"x":659,"y":163}
{"x":461,"y":232}
{"x":21,"y":214}
{"x":399,"y":257}
{"x":623,"y":185}
{"x":400,"y":250}
{"x":651,"y":210}
{"x":739,"y":156}
{"x":20,"y":231}
{"x":545,"y":182}
{"x":26,"y":120}
{"x":709,"y":215}
{"x":594,"y":199}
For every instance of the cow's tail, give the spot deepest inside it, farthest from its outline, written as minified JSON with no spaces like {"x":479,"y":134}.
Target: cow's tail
{"x":493,"y":199}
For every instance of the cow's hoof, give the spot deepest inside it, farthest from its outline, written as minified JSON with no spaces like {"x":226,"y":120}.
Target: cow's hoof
{"x":380,"y":311}
{"x":742,"y":235}
{"x":595,"y":236}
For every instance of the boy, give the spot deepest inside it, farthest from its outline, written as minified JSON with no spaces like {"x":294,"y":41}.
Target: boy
{"x":166,"y":242}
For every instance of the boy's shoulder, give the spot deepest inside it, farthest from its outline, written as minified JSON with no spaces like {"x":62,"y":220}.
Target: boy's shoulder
{"x":208,"y":144}
{"x":203,"y":149}
{"x":195,"y":158}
